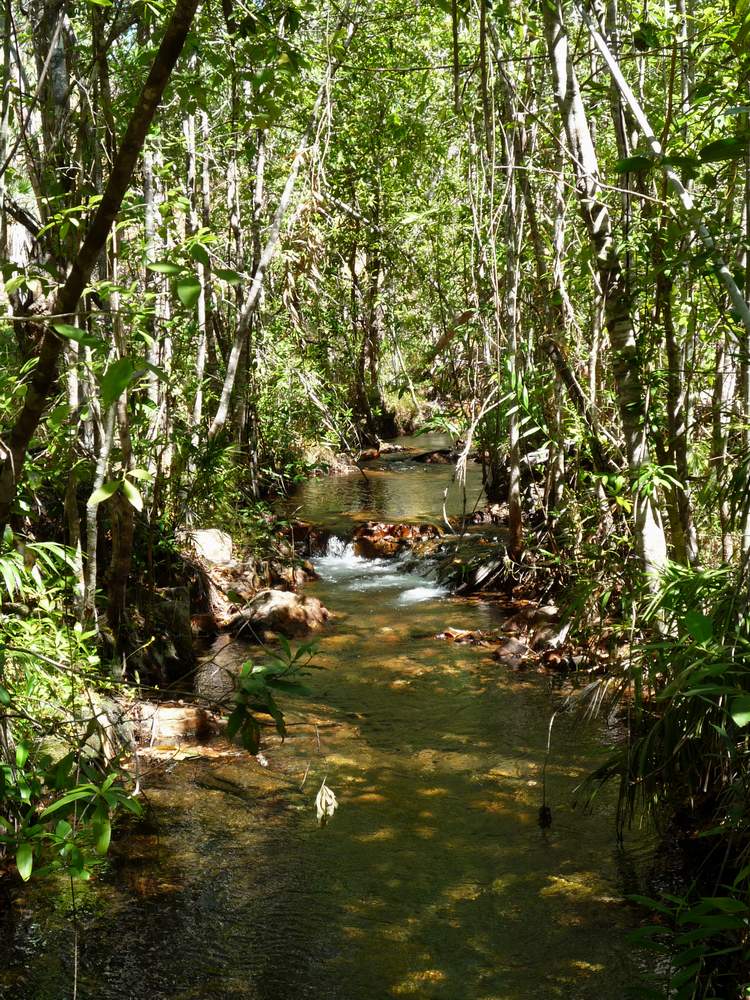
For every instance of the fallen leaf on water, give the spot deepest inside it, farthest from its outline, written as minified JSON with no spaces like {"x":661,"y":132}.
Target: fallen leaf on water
{"x":325,"y":803}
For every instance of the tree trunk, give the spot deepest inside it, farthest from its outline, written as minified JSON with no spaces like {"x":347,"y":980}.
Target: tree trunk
{"x":252,"y":300}
{"x":631,"y":397}
{"x":16,"y":441}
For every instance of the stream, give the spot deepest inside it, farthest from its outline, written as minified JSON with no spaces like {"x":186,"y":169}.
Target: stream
{"x":432,"y":879}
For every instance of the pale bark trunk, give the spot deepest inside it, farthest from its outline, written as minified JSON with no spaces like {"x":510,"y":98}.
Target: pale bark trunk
{"x":6,"y":79}
{"x":631,"y":396}
{"x":203,"y":219}
{"x":92,"y":517}
{"x":121,"y":510}
{"x":253,"y":297}
{"x":152,"y":254}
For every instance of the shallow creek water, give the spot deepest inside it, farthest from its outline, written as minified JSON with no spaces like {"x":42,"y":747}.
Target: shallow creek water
{"x":394,"y":489}
{"x":432,"y":880}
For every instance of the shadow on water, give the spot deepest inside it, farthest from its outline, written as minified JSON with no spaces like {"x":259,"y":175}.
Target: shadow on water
{"x":432,"y":880}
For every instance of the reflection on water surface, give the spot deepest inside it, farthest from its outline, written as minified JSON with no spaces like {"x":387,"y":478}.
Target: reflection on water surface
{"x":433,"y":879}
{"x":394,"y":490}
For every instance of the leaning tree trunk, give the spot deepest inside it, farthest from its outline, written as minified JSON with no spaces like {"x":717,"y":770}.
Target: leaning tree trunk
{"x":252,"y":301}
{"x":15,"y":443}
{"x":631,"y":397}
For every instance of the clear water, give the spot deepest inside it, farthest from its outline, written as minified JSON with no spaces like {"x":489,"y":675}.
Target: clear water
{"x":432,"y":880}
{"x":396,"y":490}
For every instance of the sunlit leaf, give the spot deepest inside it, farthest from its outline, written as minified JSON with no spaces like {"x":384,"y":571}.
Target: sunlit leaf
{"x":227,"y":274}
{"x":102,"y":834}
{"x":188,"y":291}
{"x":740,"y":710}
{"x":79,"y":336}
{"x":132,"y":495}
{"x":633,"y":165}
{"x":116,"y":379}
{"x":164,"y":267}
{"x":105,"y":492}
{"x":22,"y":754}
{"x":25,"y":861}
{"x":198,"y":252}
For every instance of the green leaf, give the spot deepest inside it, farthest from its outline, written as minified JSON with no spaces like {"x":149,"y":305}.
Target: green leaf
{"x":105,"y":492}
{"x":646,"y":36}
{"x":740,"y":710}
{"x":4,"y":697}
{"x":132,"y":805}
{"x":700,"y":626}
{"x":116,"y":379}
{"x":25,"y":861}
{"x":79,"y":336}
{"x":633,"y":165}
{"x":731,"y":148}
{"x":235,"y":720}
{"x":63,"y":829}
{"x":164,"y":267}
{"x":132,"y":495}
{"x":102,"y":835}
{"x":59,"y":415}
{"x":188,"y":291}
{"x":231,"y":277}
{"x":688,"y":166}
{"x":13,"y":284}
{"x":82,"y":792}
{"x":198,"y":252}
{"x":22,"y":754}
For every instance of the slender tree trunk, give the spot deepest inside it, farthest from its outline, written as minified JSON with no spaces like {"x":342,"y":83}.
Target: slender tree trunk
{"x":200,"y":216}
{"x":252,"y":300}
{"x":631,"y":394}
{"x":6,"y":80}
{"x":122,"y":512}
{"x":92,"y":517}
{"x":720,"y":418}
{"x":16,"y":441}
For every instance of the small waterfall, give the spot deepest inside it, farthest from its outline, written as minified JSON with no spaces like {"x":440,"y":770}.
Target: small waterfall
{"x":392,"y":577}
{"x":338,"y":548}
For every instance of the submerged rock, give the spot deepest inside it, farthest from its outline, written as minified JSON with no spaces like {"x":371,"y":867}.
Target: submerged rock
{"x":513,"y":652}
{"x":281,"y":611}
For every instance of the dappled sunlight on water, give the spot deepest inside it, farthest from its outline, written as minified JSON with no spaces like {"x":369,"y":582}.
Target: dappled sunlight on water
{"x":433,"y":878}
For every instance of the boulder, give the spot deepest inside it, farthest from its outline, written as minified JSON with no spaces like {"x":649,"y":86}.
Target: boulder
{"x":376,"y":540}
{"x":213,"y":545}
{"x":512,"y":652}
{"x":281,"y":611}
